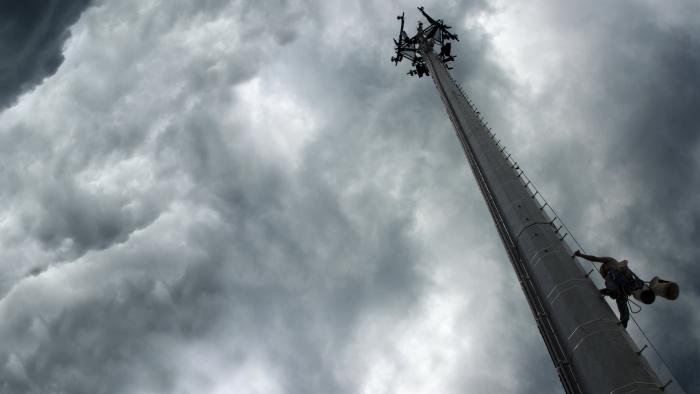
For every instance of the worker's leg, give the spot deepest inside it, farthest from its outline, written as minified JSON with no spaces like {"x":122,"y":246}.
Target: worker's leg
{"x":611,"y":288}
{"x":624,"y":310}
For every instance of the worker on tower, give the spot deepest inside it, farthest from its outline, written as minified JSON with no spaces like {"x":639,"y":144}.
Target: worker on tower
{"x":621,"y":282}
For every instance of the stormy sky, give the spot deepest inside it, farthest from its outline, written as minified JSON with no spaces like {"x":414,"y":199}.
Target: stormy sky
{"x":247,"y":197}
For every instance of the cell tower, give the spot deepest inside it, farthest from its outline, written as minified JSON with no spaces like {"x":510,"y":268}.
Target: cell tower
{"x":592,"y":353}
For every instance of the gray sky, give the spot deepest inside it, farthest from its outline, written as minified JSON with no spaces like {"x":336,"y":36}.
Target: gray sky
{"x":235,"y":196}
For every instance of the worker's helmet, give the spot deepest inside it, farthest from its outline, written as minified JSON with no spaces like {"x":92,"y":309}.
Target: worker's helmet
{"x":664,"y":288}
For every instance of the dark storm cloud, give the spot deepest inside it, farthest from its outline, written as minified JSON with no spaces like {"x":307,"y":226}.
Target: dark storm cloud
{"x":32,"y":34}
{"x":656,"y":87}
{"x":657,"y":141}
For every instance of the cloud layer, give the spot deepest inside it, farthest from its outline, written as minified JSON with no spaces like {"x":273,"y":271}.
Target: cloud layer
{"x":248,"y":197}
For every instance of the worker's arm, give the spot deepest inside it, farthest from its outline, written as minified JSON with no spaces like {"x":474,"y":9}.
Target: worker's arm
{"x":595,"y":259}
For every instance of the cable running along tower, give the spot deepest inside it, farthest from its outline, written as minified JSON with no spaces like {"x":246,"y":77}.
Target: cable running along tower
{"x":592,"y":353}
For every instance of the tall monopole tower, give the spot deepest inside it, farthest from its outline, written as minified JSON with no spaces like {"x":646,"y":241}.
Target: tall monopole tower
{"x":591,"y":352}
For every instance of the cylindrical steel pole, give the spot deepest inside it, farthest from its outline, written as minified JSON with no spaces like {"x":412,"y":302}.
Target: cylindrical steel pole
{"x":590,"y":350}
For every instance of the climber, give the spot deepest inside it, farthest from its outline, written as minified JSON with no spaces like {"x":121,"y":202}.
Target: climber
{"x":621,"y":282}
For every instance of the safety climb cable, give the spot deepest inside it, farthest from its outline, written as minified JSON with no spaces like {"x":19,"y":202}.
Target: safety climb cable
{"x":562,"y":226}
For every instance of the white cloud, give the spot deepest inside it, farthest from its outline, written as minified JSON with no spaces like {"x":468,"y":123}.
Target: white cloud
{"x":277,"y":122}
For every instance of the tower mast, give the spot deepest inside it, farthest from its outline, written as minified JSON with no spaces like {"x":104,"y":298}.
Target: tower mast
{"x":592,"y":353}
